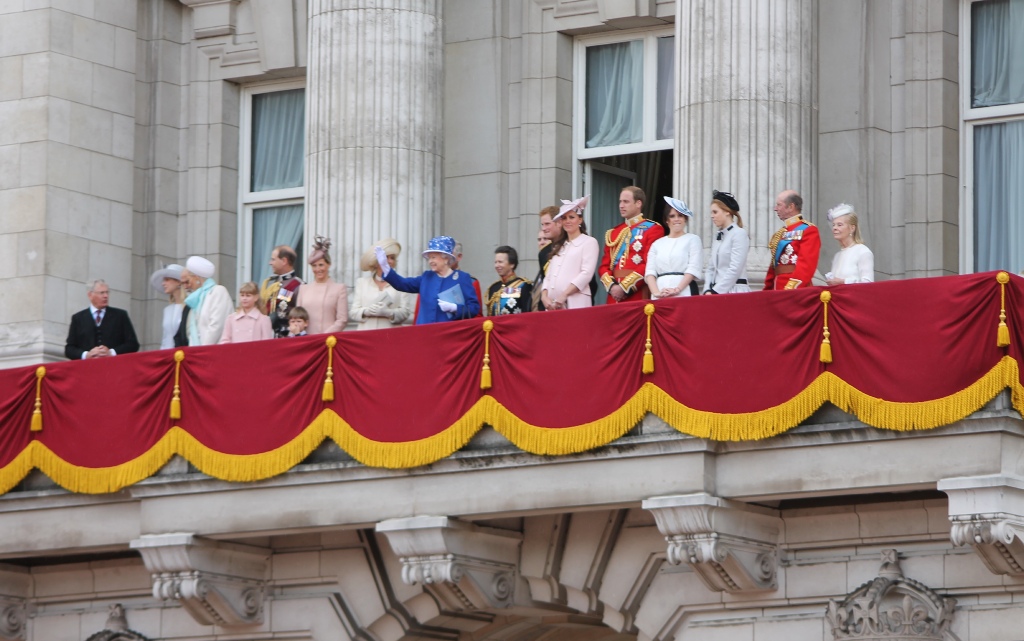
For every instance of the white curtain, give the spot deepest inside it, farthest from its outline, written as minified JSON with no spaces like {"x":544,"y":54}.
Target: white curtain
{"x":997,"y":52}
{"x":273,"y":226}
{"x":278,"y":139}
{"x":999,"y":196}
{"x":615,"y":93}
{"x":666,"y":87}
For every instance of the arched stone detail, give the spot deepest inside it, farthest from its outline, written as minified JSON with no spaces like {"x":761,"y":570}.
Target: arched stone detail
{"x":892,"y":607}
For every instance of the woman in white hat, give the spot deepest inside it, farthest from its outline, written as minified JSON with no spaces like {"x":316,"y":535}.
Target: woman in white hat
{"x":167,"y":281}
{"x":324,"y":300}
{"x":376,"y":304}
{"x":574,"y":257}
{"x":674,"y":262}
{"x":854,"y":263}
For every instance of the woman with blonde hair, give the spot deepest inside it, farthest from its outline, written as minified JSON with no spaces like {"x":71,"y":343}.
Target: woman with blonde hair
{"x":854,"y":263}
{"x":167,"y":281}
{"x":376,"y":304}
{"x":726,"y":272}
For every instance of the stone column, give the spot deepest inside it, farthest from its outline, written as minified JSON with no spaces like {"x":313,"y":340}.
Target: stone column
{"x":747,"y":109}
{"x":374,"y":122}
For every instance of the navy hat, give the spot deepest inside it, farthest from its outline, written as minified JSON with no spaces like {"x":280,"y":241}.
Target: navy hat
{"x":442,"y":244}
{"x":726,"y":199}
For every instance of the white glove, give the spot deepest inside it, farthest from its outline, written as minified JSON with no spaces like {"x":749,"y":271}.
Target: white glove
{"x":446,"y":306}
{"x":382,"y":260}
{"x":373,"y":310}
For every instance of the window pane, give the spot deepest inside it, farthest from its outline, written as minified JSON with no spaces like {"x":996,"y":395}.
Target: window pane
{"x":615,"y":93}
{"x":999,"y":196}
{"x":997,"y":52}
{"x":273,"y":226}
{"x":666,"y":87}
{"x":278,"y":139}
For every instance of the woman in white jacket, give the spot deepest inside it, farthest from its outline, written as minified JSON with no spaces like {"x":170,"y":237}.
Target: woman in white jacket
{"x":726,"y":272}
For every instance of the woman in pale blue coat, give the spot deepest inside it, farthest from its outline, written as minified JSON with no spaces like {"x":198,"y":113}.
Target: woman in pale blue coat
{"x":726,"y":272}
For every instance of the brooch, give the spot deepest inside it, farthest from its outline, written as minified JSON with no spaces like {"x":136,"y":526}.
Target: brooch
{"x":637,"y":246}
{"x":637,"y":259}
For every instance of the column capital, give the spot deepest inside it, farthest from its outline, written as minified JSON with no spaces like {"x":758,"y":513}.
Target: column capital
{"x":465,"y":566}
{"x":217,"y":583}
{"x":733,"y":547}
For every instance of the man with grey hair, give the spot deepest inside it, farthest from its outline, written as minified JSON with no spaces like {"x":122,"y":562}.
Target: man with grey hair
{"x":100,"y":330}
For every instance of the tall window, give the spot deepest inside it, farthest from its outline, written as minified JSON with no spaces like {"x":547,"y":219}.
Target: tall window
{"x":993,"y":96}
{"x":272,"y":172}
{"x":624,"y":122}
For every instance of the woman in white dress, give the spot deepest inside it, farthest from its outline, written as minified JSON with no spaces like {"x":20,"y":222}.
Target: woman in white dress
{"x":377,"y":305}
{"x":727,"y":270}
{"x":167,"y":281}
{"x":854,"y":263}
{"x":674,"y":262}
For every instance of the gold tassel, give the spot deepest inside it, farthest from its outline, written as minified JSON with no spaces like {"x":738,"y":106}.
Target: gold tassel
{"x":328,"y":394}
{"x":1003,"y":334}
{"x":826,"y":346}
{"x":179,"y":356}
{"x":648,"y":367}
{"x":485,"y":373}
{"x":37,"y":413}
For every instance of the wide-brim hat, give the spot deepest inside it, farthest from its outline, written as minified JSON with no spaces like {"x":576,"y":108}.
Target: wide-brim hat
{"x":171,"y":271}
{"x":441,"y":244}
{"x":679,"y":206}
{"x":368,"y":261}
{"x":572,"y":205}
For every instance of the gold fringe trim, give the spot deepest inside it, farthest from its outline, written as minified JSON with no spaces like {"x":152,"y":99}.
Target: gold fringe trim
{"x":538,"y":440}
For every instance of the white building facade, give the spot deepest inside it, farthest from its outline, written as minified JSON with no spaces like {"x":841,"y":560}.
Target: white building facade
{"x":134,"y":133}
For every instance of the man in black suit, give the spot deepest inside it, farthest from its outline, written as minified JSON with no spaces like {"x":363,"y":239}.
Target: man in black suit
{"x":100,"y":330}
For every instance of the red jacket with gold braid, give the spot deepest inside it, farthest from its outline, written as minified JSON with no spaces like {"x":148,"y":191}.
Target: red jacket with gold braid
{"x":794,"y":250}
{"x":625,"y":256}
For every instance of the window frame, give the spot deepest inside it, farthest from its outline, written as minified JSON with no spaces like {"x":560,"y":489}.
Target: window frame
{"x":650,"y":114}
{"x":249,"y":201}
{"x":971,"y":117}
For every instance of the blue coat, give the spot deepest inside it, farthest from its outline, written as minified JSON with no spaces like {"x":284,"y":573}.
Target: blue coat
{"x":429,"y":285}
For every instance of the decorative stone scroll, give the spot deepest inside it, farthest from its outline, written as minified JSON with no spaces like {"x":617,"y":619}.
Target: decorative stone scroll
{"x":987,"y":513}
{"x":892,"y":608}
{"x":733,"y":547}
{"x":14,"y":591}
{"x":217,"y":583}
{"x":465,"y":566}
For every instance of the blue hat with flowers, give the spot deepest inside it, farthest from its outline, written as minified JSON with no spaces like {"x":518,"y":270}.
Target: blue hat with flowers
{"x":679,"y":206}
{"x":443,"y":244}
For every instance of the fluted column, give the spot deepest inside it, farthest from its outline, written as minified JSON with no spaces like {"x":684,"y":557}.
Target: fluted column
{"x":747,"y":108}
{"x":374,"y":123}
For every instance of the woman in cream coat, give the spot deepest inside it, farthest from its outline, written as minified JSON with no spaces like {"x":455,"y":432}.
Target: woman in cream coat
{"x":377,"y":305}
{"x":726,"y":272}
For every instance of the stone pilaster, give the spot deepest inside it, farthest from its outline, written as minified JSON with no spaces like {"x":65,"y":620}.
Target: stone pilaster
{"x":374,"y":126}
{"x":747,"y":109}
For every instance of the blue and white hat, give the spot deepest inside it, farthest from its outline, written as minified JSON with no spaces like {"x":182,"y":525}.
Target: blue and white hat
{"x":442,"y":244}
{"x":679,"y":206}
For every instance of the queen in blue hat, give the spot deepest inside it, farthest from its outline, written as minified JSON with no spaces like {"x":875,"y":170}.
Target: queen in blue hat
{"x":445,"y":292}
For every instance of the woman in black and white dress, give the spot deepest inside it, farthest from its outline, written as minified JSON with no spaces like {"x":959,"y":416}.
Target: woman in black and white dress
{"x":726,"y":272}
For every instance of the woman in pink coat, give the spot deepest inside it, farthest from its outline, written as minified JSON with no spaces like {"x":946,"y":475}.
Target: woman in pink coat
{"x":325,"y":300}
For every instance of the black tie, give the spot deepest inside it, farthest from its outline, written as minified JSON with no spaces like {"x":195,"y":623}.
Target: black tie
{"x":719,"y":236}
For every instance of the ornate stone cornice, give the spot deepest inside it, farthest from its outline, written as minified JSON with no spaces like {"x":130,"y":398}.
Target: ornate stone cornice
{"x":733,"y":547}
{"x":217,"y":583}
{"x":14,"y":591}
{"x":987,"y":513}
{"x":892,"y":608}
{"x":465,"y":566}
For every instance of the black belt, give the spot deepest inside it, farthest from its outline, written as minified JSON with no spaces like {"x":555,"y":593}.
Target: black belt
{"x":739,"y":281}
{"x":694,"y":290}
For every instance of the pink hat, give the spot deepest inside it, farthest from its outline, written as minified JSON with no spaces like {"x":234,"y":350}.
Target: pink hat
{"x":572,"y":205}
{"x":320,"y":247}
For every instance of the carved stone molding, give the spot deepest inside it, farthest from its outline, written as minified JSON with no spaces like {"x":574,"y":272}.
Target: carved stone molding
{"x":987,"y":513}
{"x":212,"y":17}
{"x":623,"y":14}
{"x":733,"y":547}
{"x":217,"y":583}
{"x":892,"y":608}
{"x":465,"y":566}
{"x":116,"y":628}
{"x":14,"y":590}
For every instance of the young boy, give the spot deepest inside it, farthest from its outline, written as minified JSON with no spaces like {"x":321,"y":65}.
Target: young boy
{"x":298,"y":321}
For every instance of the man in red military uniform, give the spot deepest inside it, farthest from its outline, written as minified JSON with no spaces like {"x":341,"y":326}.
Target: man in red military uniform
{"x":625,"y":249}
{"x":794,"y":248}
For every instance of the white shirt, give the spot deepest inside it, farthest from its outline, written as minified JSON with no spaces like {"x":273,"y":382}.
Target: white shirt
{"x":854,"y":264}
{"x":671,"y":258}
